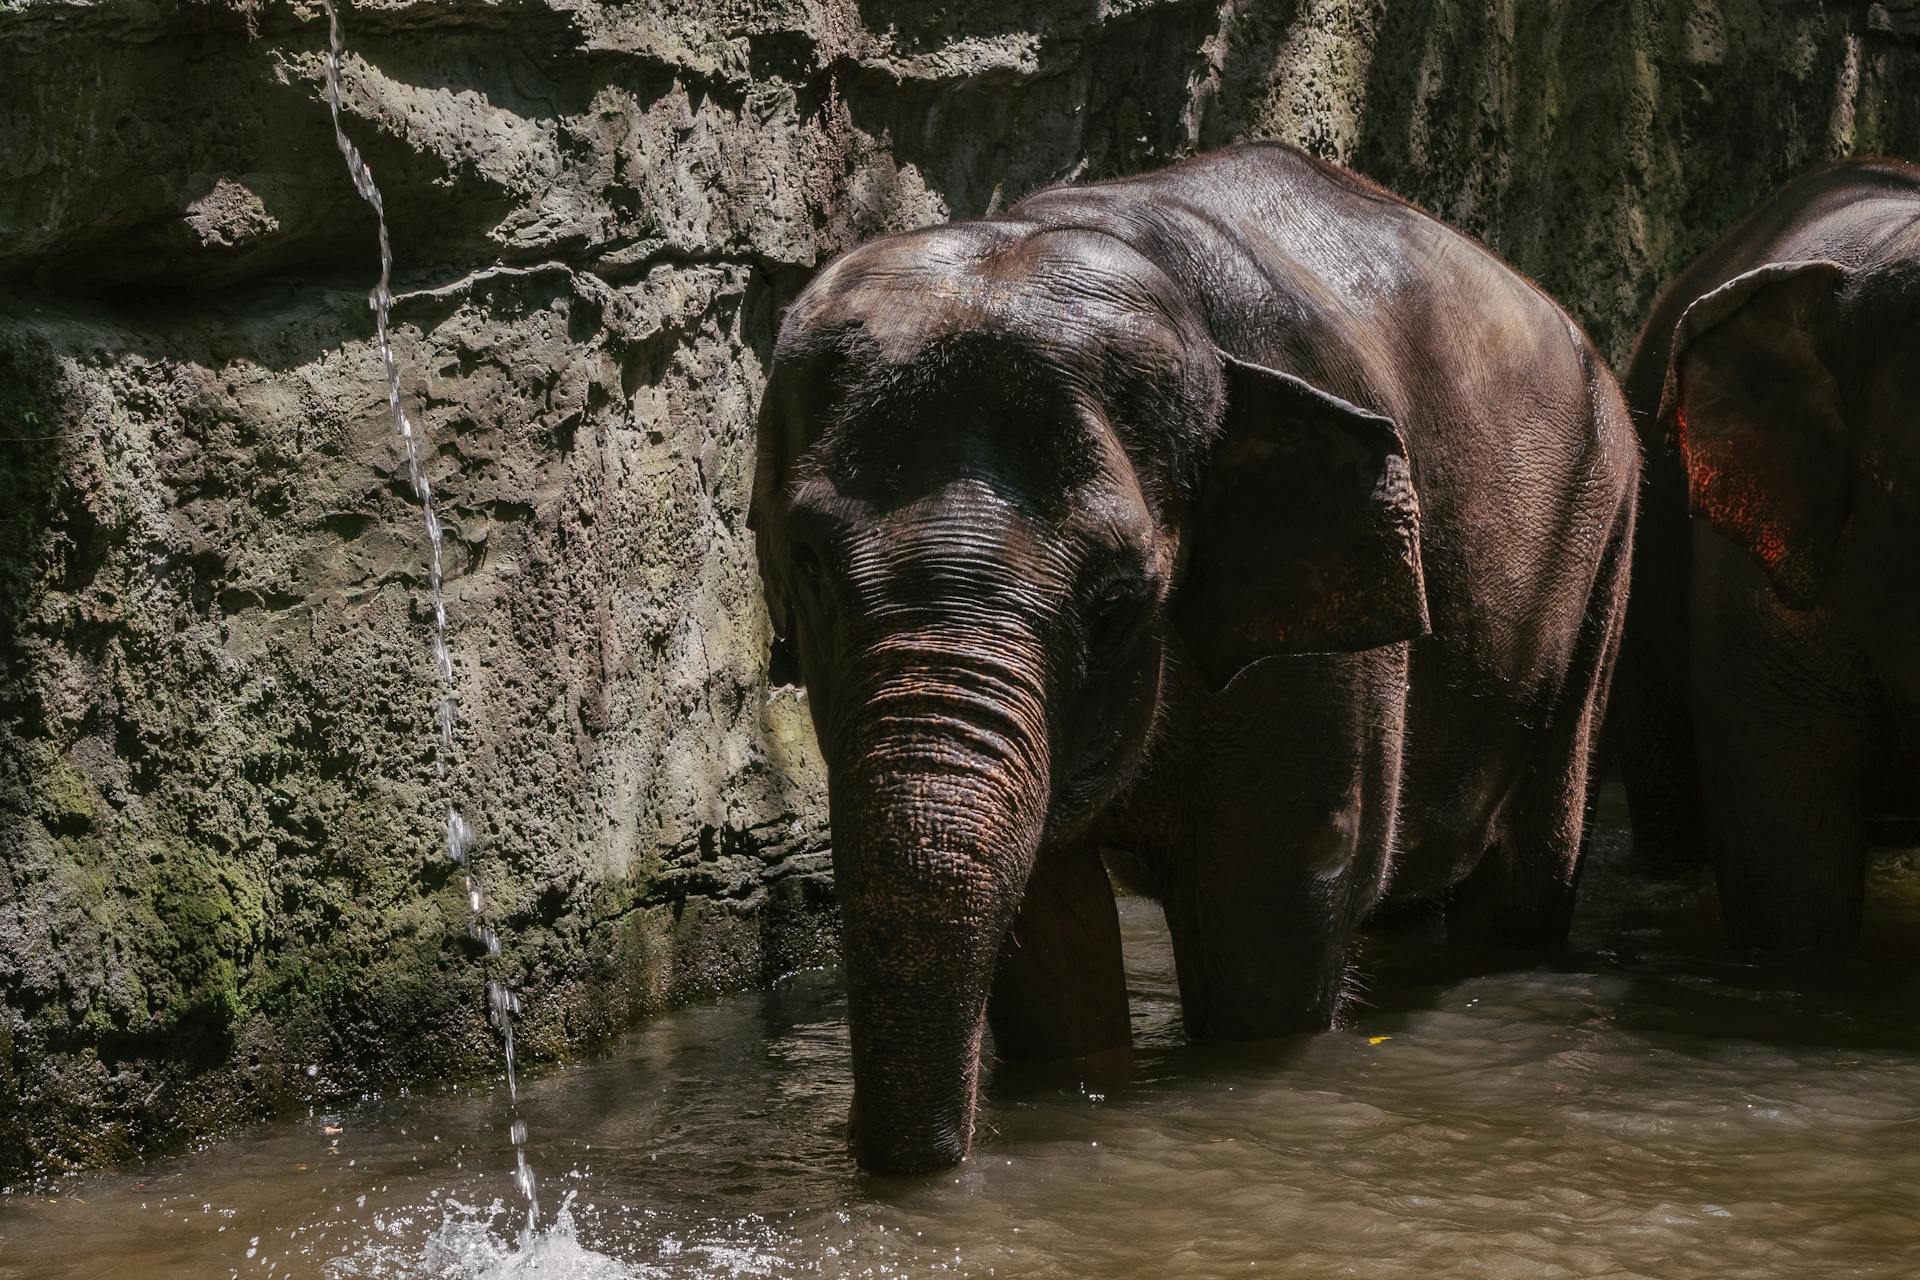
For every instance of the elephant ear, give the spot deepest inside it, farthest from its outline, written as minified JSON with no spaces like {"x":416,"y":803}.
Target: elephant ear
{"x":1306,"y":534}
{"x":773,"y":453}
{"x":1754,"y":405}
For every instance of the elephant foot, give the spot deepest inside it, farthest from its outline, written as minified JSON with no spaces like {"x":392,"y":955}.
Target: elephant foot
{"x":1257,"y":983}
{"x":1513,"y":903}
{"x":1261,"y":1017}
{"x":1791,"y":912}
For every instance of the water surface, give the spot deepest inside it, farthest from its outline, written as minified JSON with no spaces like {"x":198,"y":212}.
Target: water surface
{"x":1642,"y":1106}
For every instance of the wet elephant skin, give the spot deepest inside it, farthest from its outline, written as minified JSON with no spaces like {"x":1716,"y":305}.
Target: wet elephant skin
{"x":1239,"y":519}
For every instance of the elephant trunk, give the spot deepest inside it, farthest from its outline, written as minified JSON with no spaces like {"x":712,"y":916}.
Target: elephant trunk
{"x":939,"y":793}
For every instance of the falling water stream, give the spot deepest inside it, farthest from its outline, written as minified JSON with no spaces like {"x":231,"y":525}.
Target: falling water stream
{"x":503,"y":1004}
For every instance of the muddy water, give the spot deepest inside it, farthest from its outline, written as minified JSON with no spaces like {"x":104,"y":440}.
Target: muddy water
{"x":1643,"y":1106}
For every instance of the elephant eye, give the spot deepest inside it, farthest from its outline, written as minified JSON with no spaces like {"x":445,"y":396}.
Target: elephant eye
{"x":1113,"y":596}
{"x":1116,"y":612}
{"x":807,"y":561}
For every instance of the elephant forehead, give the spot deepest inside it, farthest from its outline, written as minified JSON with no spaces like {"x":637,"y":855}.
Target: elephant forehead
{"x":1048,"y":297}
{"x":909,"y":324}
{"x":970,"y":404}
{"x":1058,"y":290}
{"x":973,"y":350}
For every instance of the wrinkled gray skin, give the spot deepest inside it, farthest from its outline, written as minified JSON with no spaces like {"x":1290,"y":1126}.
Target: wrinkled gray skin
{"x":1769,"y":698}
{"x":1239,"y":517}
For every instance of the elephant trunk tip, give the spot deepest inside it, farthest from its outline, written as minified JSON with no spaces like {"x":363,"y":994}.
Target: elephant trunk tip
{"x":912,"y":1150}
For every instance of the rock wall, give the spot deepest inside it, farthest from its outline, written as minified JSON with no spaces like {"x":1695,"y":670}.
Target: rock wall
{"x":220,"y":881}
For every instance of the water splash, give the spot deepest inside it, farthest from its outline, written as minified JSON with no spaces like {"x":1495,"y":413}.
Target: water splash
{"x":503,"y":1004}
{"x":465,"y":1247}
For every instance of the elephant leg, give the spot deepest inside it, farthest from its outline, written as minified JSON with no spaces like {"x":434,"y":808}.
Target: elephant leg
{"x":1060,"y":989}
{"x":1780,"y":706}
{"x":1648,"y":729}
{"x":1292,"y":816}
{"x":1650,"y":734}
{"x":1521,"y":893}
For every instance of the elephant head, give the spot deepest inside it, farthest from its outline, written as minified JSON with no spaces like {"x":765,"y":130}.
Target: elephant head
{"x":1000,"y":469}
{"x":1791,"y":394}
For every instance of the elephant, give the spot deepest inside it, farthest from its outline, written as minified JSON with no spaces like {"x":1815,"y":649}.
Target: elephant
{"x":1239,"y":519}
{"x":1768,"y":709}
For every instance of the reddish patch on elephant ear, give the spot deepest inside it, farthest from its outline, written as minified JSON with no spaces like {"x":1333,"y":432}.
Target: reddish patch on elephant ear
{"x":1731,"y":481}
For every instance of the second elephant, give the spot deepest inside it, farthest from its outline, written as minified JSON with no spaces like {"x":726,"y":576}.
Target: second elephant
{"x":1769,"y":699}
